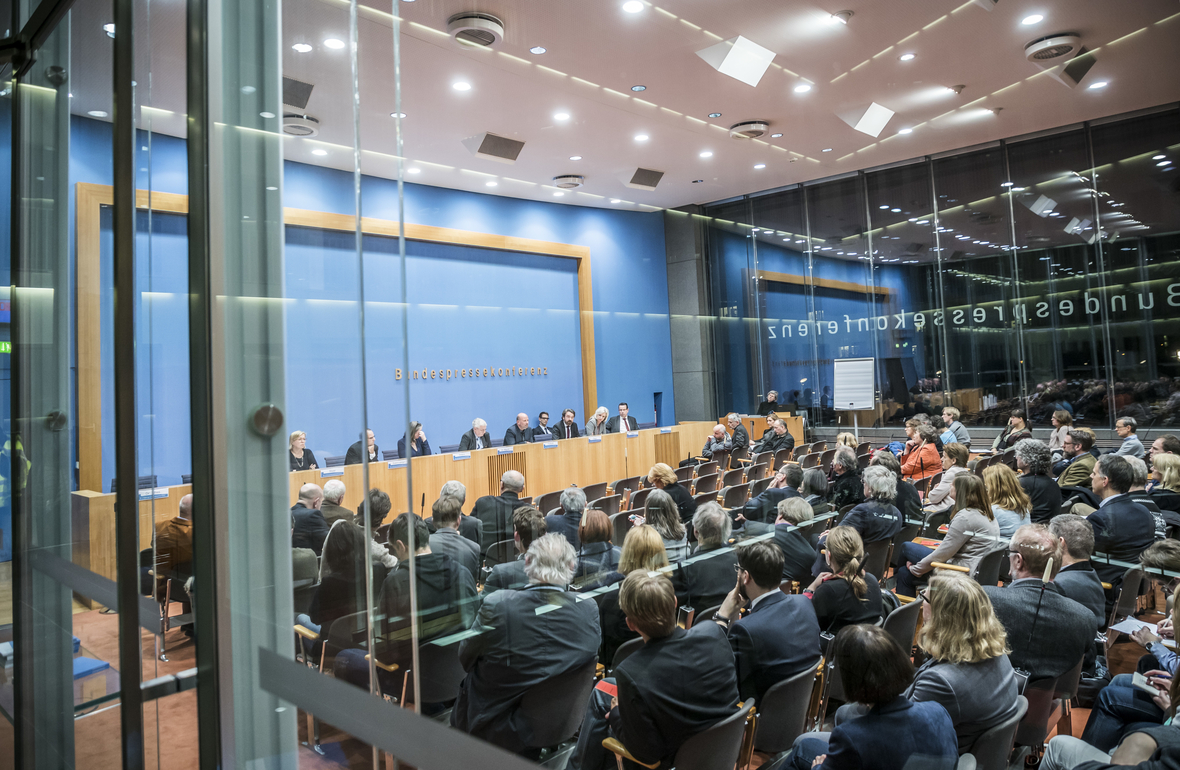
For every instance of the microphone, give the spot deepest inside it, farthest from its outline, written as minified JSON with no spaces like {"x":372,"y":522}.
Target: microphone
{"x":1150,"y":425}
{"x":422,"y":508}
{"x":1044,"y":584}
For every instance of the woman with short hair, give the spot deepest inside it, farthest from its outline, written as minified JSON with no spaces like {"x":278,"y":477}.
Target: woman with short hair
{"x":814,"y":488}
{"x":1010,"y":503}
{"x":302,"y":458}
{"x":1032,"y":460}
{"x":954,"y":461}
{"x":660,"y":513}
{"x":419,"y":446}
{"x":907,"y":500}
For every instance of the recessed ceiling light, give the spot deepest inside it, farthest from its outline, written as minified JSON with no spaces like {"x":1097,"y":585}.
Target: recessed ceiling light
{"x":462,"y":85}
{"x":826,"y":149}
{"x":840,"y":17}
{"x":633,"y":6}
{"x":319,"y":152}
{"x":301,"y":48}
{"x":333,"y":43}
{"x":575,"y":157}
{"x":638,"y":88}
{"x":397,"y":114}
{"x":538,"y":50}
{"x":491,"y":184}
{"x":561,"y":116}
{"x":1030,"y":20}
{"x":883,"y":207}
{"x":905,"y":130}
{"x":1005,"y":184}
{"x":776,"y":136}
{"x":413,"y":171}
{"x":1158,"y":157}
{"x":248,"y":89}
{"x":272,"y":189}
{"x":714,"y":114}
{"x":706,"y":154}
{"x":109,"y":29}
{"x":267,"y":115}
{"x":759,"y":165}
{"x":1161,"y":163}
{"x":641,"y":137}
{"x":907,"y":56}
{"x":1099,"y":84}
{"x":97,"y":113}
{"x":615,"y":200}
{"x":802,"y":88}
{"x":558,"y":194}
{"x":896,"y":211}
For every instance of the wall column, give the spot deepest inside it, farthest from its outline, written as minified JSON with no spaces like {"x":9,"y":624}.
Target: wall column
{"x":691,"y":323}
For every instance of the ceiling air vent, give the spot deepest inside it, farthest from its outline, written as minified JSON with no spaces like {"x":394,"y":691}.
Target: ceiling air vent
{"x":296,"y":93}
{"x":645,"y":179}
{"x":480,"y":30}
{"x":748,"y":129}
{"x":569,"y":181}
{"x":493,"y":147}
{"x":300,"y":125}
{"x":1052,"y":48}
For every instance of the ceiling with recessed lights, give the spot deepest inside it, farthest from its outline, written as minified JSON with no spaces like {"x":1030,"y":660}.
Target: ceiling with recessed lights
{"x":600,"y":89}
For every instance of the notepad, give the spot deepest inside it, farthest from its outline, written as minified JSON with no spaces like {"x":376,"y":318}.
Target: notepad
{"x":84,"y":666}
{"x":1131,"y":625}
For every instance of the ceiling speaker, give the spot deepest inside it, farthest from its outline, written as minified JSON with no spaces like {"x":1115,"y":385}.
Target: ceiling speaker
{"x":300,"y":125}
{"x":480,"y":30}
{"x":569,"y":181}
{"x":645,"y":179}
{"x":1053,"y":49}
{"x":749,"y":129}
{"x":498,"y":148}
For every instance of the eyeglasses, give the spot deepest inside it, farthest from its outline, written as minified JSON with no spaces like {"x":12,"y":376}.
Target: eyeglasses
{"x":924,"y":595}
{"x":737,"y":568}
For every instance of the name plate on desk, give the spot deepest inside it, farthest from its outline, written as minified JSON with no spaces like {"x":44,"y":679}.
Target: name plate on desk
{"x":550,"y":445}
{"x":595,"y":439}
{"x":503,"y":450}
{"x":457,"y":456}
{"x":153,"y":494}
{"x":329,"y":472}
{"x":397,"y":463}
{"x":665,"y":430}
{"x":632,"y":433}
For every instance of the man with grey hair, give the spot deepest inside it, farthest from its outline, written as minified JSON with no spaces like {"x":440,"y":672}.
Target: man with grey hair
{"x":573,"y":502}
{"x":1077,"y":579}
{"x":495,"y":511}
{"x":740,"y":437}
{"x":308,"y":525}
{"x":469,"y":526}
{"x":515,"y":646}
{"x":476,"y":438}
{"x":1033,"y":460}
{"x":706,"y":578}
{"x":846,"y":488}
{"x":331,"y":508}
{"x":1132,"y":446}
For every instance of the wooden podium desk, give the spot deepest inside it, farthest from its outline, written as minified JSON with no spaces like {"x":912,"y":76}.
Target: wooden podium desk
{"x":546,"y":468}
{"x":755,"y":426}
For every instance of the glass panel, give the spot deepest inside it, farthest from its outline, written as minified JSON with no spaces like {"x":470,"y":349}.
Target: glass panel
{"x":731,"y":259}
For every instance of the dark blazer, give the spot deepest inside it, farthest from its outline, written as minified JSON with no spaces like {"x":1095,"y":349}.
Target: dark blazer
{"x":894,"y":735}
{"x":514,"y":648}
{"x":612,"y":424}
{"x":1045,"y":496}
{"x":463,"y":551}
{"x":446,"y":604}
{"x":419,"y":448}
{"x":874,"y":521}
{"x":799,"y":552}
{"x":741,"y":438}
{"x":704,"y":579}
{"x":846,"y":489}
{"x":683,"y":501}
{"x":1063,"y":632}
{"x":507,"y":575}
{"x":310,"y":528}
{"x":467,"y":443}
{"x":1080,"y":582}
{"x":543,"y":434}
{"x":495,"y":513}
{"x":774,"y":442}
{"x":1123,"y":529}
{"x":836,"y":605}
{"x":596,"y":560}
{"x":776,"y":640}
{"x":469,"y":527}
{"x":357,"y":454}
{"x":978,"y":696}
{"x":659,"y":707}
{"x":559,"y":430}
{"x":566,"y":523}
{"x":612,"y":620}
{"x":907,"y":501}
{"x":515,"y":435}
{"x":764,"y":507}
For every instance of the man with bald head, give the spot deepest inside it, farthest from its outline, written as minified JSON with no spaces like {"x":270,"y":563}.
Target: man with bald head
{"x":519,"y":433}
{"x":310,"y":526}
{"x":495,"y":511}
{"x":174,"y":555}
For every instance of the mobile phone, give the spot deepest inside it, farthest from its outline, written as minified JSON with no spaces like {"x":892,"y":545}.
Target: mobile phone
{"x":684,"y":616}
{"x":1140,"y":681}
{"x":636,"y":519}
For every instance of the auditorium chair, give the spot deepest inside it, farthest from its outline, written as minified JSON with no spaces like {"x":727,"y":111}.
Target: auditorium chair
{"x":993,"y":747}
{"x":684,"y":475}
{"x":620,"y":525}
{"x":823,"y":520}
{"x":717,"y":748}
{"x":186,"y":478}
{"x":877,"y":557}
{"x":625,"y":650}
{"x":645,"y":425}
{"x":760,"y":458}
{"x":758,"y":471}
{"x":1126,"y":601}
{"x":864,"y":448}
{"x":447,"y":449}
{"x":758,"y":487}
{"x":737,"y":457}
{"x":344,"y":633}
{"x":733,"y":478}
{"x":548,"y":501}
{"x":705,"y":483}
{"x":704,"y":497}
{"x":500,"y":552}
{"x":143,"y":482}
{"x":721,"y":457}
{"x":608,"y":505}
{"x":1009,"y":458}
{"x":782,"y":457}
{"x":705,"y":614}
{"x":862,"y":461}
{"x":617,"y":486}
{"x":808,"y":461}
{"x":704,"y":469}
{"x":735,"y":496}
{"x":551,"y":712}
{"x":782,"y":714}
{"x":334,"y":462}
{"x":595,"y":491}
{"x":524,"y":501}
{"x":389,"y":454}
{"x":818,"y":446}
{"x":638,"y":499}
{"x":987,"y":569}
{"x":1045,"y":705}
{"x":902,"y":624}
{"x":825,"y":460}
{"x":922,"y":485}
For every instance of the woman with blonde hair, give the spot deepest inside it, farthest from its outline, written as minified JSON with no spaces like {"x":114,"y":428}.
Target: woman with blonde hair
{"x":972,"y":534}
{"x":847,"y":439}
{"x":661,"y":513}
{"x":661,"y":476}
{"x":643,"y":548}
{"x":847,"y":594}
{"x":1011,"y":505}
{"x":302,"y":459}
{"x":1165,"y":469}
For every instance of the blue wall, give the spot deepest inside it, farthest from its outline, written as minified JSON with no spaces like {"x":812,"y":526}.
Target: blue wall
{"x":468,"y":307}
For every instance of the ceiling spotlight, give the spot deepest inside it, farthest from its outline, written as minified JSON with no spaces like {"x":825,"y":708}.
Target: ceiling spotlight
{"x":397,"y":114}
{"x":301,"y":48}
{"x":562,"y":116}
{"x":267,"y":115}
{"x":319,"y":152}
{"x":633,"y":6}
{"x":896,"y":211}
{"x":414,"y":171}
{"x":826,"y":149}
{"x":615,"y":200}
{"x":490,"y":184}
{"x":1028,"y":21}
{"x":333,"y":43}
{"x":840,"y":17}
{"x":1005,"y":184}
{"x":714,"y":114}
{"x":907,"y":56}
{"x":558,"y":194}
{"x":776,"y":136}
{"x":759,"y":165}
{"x":905,"y":130}
{"x":883,"y":207}
{"x":1158,"y":157}
{"x":954,"y":89}
{"x":97,"y":113}
{"x":1161,"y":163}
{"x":575,"y":157}
{"x":1099,"y":84}
{"x":802,"y":88}
{"x":461,"y":86}
{"x":641,"y":137}
{"x":109,"y":29}
{"x":706,"y":154}
{"x":638,"y":88}
{"x":538,"y":50}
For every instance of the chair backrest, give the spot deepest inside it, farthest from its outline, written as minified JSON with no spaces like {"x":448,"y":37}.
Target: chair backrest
{"x":1067,"y":683}
{"x":922,"y":484}
{"x":553,"y":709}
{"x":344,"y":633}
{"x":825,"y":460}
{"x":862,"y":461}
{"x":382,"y":534}
{"x":500,"y":552}
{"x":706,"y":469}
{"x":549,"y":501}
{"x":757,"y":471}
{"x":1009,"y":458}
{"x":706,"y":483}
{"x":818,"y":446}
{"x":1034,"y":727}
{"x":902,"y":623}
{"x":524,"y":501}
{"x":992,"y":747}
{"x":143,"y":482}
{"x":684,"y":474}
{"x":334,"y":461}
{"x":735,"y":496}
{"x":782,"y":456}
{"x":625,"y":650}
{"x":740,"y":453}
{"x":608,"y":505}
{"x":717,"y":747}
{"x":704,"y":497}
{"x":810,"y":460}
{"x":620,"y":525}
{"x":619,"y":485}
{"x":877,"y":558}
{"x":721,"y":457}
{"x":304,"y":594}
{"x":759,"y":486}
{"x":762,"y":458}
{"x":987,"y":569}
{"x":439,"y":672}
{"x":705,"y":614}
{"x":186,"y":478}
{"x":731,"y":478}
{"x":639,"y":498}
{"x":782,"y":714}
{"x":595,"y":491}
{"x":864,"y":448}
{"x":390,"y":454}
{"x":1128,"y":594}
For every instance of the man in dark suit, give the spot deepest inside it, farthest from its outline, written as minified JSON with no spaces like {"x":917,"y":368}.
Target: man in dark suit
{"x":357,"y":454}
{"x":573,"y":502}
{"x":621,"y":422}
{"x":495,"y":512}
{"x":514,"y":647}
{"x":520,"y":433}
{"x":783,"y":486}
{"x":447,"y":539}
{"x":846,"y":487}
{"x":543,"y":432}
{"x":1047,"y":632}
{"x":1123,"y":528}
{"x":704,"y":579}
{"x":1077,"y":579}
{"x":740,"y":437}
{"x":529,"y":524}
{"x":476,"y":438}
{"x":780,"y":636}
{"x":568,"y":427}
{"x":469,"y":526}
{"x":679,"y":684}
{"x":309,"y":525}
{"x":778,"y":439}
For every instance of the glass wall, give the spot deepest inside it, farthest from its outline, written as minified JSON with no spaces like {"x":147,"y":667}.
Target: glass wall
{"x":1034,"y":273}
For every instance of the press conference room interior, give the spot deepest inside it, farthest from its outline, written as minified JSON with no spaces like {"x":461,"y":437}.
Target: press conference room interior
{"x":617,"y":384}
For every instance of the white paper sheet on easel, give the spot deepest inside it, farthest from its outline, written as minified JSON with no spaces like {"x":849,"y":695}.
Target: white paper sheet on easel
{"x":1131,"y":625}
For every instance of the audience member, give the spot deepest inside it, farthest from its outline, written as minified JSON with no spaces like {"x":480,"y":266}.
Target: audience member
{"x":1047,"y":632}
{"x":776,"y":440}
{"x":679,"y":684}
{"x":896,"y":732}
{"x":1123,"y":528}
{"x":950,"y":416}
{"x":767,"y":432}
{"x":597,"y":557}
{"x":310,"y":527}
{"x":302,"y":458}
{"x":419,"y":446}
{"x":622,"y":422}
{"x":519,"y":433}
{"x":814,"y":487}
{"x":661,"y":476}
{"x":379,"y":507}
{"x":906,"y":500}
{"x":973,"y":533}
{"x":1165,"y":444}
{"x":476,"y":438}
{"x":543,"y":432}
{"x":1079,"y":463}
{"x":1138,"y":492}
{"x":573,"y":503}
{"x":704,"y":579}
{"x":469,"y":526}
{"x":1016,"y":430}
{"x":661,"y":513}
{"x":717,"y":442}
{"x":304,"y":564}
{"x":946,"y":437}
{"x":920,"y":458}
{"x":1165,"y":471}
{"x":567,"y":428}
{"x":799,"y":550}
{"x":1032,"y":460}
{"x":782,"y":487}
{"x":643,"y":549}
{"x":876,"y":519}
{"x":1126,"y":427}
{"x":596,"y":426}
{"x":846,"y":594}
{"x":1062,"y":423}
{"x":779,"y":636}
{"x":528,"y":524}
{"x":447,"y":539}
{"x":342,"y":583}
{"x":941,"y":497}
{"x":846,"y":487}
{"x":740,"y":440}
{"x":495,"y":511}
{"x":513,"y":647}
{"x":331,"y":509}
{"x":1161,"y":558}
{"x":368,"y":453}
{"x":1011,"y":505}
{"x":1077,"y":579}
{"x":174,"y":556}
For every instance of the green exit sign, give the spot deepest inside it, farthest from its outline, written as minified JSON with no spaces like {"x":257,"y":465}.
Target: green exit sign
{"x":5,"y":347}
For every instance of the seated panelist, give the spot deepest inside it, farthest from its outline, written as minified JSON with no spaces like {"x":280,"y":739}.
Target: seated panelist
{"x":369,"y":453}
{"x":567,"y":428}
{"x":476,"y":438}
{"x":622,"y":422}
{"x":598,"y":423}
{"x":520,"y":433}
{"x":543,"y":432}
{"x":418,"y":444}
{"x":302,"y":459}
